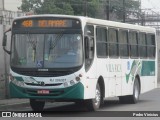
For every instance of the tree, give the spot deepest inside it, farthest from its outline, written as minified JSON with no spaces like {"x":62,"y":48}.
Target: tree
{"x":55,"y":7}
{"x":129,"y":8}
{"x":117,"y":8}
{"x":69,"y":7}
{"x":30,"y":5}
{"x":82,"y":6}
{"x":93,"y":8}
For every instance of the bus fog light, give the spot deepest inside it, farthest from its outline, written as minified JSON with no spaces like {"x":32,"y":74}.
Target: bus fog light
{"x":65,"y":84}
{"x":72,"y":82}
{"x":78,"y":78}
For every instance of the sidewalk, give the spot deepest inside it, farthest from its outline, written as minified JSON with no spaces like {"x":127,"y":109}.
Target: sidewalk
{"x":11,"y":103}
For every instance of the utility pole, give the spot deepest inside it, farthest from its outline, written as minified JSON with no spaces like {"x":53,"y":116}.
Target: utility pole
{"x":124,"y":12}
{"x":85,"y":7}
{"x":143,"y":19}
{"x":108,"y":9}
{"x":5,"y":55}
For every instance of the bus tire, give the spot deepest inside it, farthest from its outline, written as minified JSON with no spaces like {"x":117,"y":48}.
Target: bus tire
{"x":136,"y":92}
{"x":134,"y":97}
{"x":37,"y":105}
{"x":123,"y":99}
{"x":94,"y":104}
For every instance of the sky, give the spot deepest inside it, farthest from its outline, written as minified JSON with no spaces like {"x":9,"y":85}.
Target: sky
{"x":13,"y":4}
{"x":151,"y":4}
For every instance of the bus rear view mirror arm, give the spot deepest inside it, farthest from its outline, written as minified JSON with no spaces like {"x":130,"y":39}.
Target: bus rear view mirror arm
{"x":7,"y":51}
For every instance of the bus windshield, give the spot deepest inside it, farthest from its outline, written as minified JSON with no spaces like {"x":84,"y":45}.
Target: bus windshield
{"x":46,"y":50}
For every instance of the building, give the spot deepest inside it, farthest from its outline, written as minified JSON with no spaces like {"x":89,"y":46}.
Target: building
{"x":7,"y":14}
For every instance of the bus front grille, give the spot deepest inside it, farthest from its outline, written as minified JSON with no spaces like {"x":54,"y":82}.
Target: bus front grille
{"x":32,"y":84}
{"x":43,"y":74}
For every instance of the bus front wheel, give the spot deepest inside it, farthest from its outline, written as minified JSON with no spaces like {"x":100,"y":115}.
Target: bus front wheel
{"x":37,"y":105}
{"x":94,"y":104}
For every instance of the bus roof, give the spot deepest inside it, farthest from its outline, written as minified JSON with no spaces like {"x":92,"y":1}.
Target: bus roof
{"x":99,"y":22}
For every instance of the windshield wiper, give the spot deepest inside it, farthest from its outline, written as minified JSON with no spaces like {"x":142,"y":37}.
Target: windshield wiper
{"x":33,"y":45}
{"x":58,"y":37}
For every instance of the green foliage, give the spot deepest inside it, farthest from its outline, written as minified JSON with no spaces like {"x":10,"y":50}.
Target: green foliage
{"x":54,"y":7}
{"x":30,"y":5}
{"x":132,"y":7}
{"x":69,"y":7}
{"x":78,"y":7}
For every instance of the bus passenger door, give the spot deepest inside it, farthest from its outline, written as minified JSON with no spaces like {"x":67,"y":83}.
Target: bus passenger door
{"x":115,"y":77}
{"x":114,"y":66}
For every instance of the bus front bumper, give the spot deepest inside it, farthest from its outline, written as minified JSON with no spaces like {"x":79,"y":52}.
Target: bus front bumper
{"x":74,"y":92}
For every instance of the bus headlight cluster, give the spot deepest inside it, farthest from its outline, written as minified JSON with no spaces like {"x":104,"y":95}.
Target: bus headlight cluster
{"x":78,"y":78}
{"x":70,"y":83}
{"x":18,"y":83}
{"x":73,"y":82}
{"x":29,"y":80}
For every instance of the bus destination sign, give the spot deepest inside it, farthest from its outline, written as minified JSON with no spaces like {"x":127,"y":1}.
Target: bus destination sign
{"x":46,"y":23}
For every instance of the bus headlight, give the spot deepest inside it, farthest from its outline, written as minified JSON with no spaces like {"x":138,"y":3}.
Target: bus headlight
{"x":18,"y":83}
{"x":72,"y":82}
{"x":65,"y":84}
{"x":78,"y":79}
{"x":29,"y":80}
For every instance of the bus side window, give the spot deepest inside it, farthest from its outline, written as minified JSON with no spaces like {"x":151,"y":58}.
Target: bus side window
{"x":89,"y":30}
{"x":113,"y":42}
{"x":123,"y":43}
{"x":133,"y":44}
{"x":142,"y":45}
{"x":151,"y":46}
{"x":101,"y":42}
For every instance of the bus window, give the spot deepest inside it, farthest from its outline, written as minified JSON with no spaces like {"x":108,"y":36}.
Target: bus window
{"x":133,"y":44}
{"x":113,"y":42}
{"x":142,"y":45}
{"x":89,"y":30}
{"x":123,"y":43}
{"x":101,"y":37}
{"x":150,"y":46}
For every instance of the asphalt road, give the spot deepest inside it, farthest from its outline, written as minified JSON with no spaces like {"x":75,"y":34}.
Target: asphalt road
{"x":149,"y":102}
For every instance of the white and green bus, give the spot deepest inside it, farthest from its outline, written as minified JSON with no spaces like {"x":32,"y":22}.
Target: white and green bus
{"x":80,"y":59}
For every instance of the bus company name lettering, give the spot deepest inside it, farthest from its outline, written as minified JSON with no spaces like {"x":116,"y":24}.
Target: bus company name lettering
{"x":114,"y":68}
{"x":58,"y":80}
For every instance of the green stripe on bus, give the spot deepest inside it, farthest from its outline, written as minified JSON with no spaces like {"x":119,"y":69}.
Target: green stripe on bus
{"x":142,"y":68}
{"x":148,"y":68}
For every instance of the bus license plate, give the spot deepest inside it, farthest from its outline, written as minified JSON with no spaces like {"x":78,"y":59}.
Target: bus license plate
{"x":43,"y":91}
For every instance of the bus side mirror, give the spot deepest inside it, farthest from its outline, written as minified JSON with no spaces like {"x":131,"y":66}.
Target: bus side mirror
{"x":4,"y":40}
{"x":4,"y":43}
